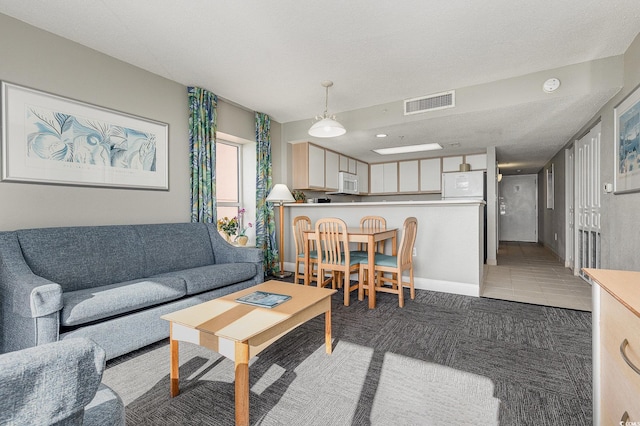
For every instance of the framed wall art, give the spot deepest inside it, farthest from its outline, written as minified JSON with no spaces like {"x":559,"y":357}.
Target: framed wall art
{"x":627,"y":144}
{"x":51,"y":139}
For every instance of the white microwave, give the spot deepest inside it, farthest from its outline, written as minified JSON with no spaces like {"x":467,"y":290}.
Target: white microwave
{"x":347,"y":184}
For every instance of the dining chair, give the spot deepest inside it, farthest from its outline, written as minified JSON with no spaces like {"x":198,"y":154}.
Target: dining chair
{"x":375,"y":223}
{"x":300,"y":224}
{"x":334,"y":255}
{"x":395,"y":265}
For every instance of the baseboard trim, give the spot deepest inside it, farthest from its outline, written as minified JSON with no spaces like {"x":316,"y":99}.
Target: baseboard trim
{"x":464,"y":289}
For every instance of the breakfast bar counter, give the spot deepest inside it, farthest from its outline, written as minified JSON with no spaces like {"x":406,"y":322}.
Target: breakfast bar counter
{"x":449,"y":249}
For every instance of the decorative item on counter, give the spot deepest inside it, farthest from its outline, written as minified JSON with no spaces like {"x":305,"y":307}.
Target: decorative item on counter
{"x":299,"y":196}
{"x":242,"y":238}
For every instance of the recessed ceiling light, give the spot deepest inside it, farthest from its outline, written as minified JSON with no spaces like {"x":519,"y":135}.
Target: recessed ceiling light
{"x":381,"y":135}
{"x":408,"y":148}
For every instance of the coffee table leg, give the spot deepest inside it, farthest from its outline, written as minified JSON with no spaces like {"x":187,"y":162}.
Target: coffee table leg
{"x":327,"y":330}
{"x":242,"y":383}
{"x":174,"y":375}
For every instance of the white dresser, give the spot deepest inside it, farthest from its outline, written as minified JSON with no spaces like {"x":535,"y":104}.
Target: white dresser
{"x":616,"y":346}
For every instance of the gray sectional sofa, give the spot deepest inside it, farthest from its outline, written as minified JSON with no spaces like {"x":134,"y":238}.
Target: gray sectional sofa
{"x":112,"y":283}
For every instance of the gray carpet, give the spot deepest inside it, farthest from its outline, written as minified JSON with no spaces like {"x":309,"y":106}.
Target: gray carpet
{"x":443,"y":359}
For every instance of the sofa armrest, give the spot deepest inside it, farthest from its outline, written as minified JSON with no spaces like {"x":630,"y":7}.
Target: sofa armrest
{"x":228,"y":253}
{"x":50,"y":384}
{"x":235,"y":254}
{"x":23,"y":292}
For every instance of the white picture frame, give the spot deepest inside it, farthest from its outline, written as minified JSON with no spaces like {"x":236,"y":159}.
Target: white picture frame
{"x":627,"y":144}
{"x":51,"y":139}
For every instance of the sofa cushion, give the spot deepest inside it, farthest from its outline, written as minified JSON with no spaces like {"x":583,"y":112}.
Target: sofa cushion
{"x":175,"y":246}
{"x":214,"y":276}
{"x":93,"y":304}
{"x":83,"y":256}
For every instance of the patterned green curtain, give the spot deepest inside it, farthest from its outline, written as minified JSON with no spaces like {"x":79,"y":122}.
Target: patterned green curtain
{"x":265,"y":218}
{"x":202,"y":144}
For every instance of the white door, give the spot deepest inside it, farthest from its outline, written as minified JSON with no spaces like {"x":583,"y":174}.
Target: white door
{"x":570,"y":212}
{"x":518,"y":205}
{"x":587,"y":201}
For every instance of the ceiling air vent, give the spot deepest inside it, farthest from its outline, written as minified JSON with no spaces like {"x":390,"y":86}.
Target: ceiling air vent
{"x":430,"y":103}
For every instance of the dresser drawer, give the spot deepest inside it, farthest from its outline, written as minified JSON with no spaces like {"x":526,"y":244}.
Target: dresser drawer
{"x":620,"y":383}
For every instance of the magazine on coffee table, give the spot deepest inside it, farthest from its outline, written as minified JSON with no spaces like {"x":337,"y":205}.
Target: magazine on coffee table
{"x":263,"y":299}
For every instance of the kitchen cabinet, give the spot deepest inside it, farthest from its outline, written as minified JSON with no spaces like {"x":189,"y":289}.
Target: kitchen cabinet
{"x":408,"y":176}
{"x":362,"y":170}
{"x":430,"y":175}
{"x":476,"y":161}
{"x":451,"y":164}
{"x":308,"y":166}
{"x":332,"y":167}
{"x":616,"y":354}
{"x":348,"y":164}
{"x":384,"y":178}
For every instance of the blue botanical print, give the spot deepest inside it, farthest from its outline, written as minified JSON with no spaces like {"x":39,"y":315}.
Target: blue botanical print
{"x":56,"y":136}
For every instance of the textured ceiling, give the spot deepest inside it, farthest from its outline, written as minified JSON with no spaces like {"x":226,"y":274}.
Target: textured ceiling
{"x":272,"y":56}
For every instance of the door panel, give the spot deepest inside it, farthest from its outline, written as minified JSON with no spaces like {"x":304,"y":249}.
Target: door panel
{"x":570,"y":211}
{"x":519,"y":208}
{"x":587,"y":201}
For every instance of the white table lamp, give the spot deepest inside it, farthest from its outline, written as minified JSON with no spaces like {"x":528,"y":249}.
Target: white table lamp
{"x":280,"y":194}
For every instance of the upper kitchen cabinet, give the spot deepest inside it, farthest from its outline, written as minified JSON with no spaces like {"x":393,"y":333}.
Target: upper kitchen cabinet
{"x":476,"y":161}
{"x":409,"y":176}
{"x":308,"y":166}
{"x":451,"y":164}
{"x":384,"y":178}
{"x":430,"y":175}
{"x":348,"y":164}
{"x":332,"y":164}
{"x":362,"y":170}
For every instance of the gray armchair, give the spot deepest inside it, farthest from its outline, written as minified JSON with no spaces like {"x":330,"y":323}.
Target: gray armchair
{"x":57,"y":384}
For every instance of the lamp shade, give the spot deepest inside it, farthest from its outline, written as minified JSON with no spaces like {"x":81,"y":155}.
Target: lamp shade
{"x":327,"y":128}
{"x":280,"y":193}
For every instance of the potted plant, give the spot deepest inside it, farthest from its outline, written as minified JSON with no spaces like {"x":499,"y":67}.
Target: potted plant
{"x":242,"y":238}
{"x":228,"y":226}
{"x":299,"y":196}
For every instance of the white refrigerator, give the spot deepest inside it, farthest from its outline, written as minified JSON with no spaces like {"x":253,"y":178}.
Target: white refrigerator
{"x":465,"y":185}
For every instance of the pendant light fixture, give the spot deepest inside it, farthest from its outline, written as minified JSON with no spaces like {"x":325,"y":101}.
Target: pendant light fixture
{"x":326,"y":126}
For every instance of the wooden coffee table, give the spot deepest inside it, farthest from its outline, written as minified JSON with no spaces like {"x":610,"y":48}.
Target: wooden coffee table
{"x":240,"y":332}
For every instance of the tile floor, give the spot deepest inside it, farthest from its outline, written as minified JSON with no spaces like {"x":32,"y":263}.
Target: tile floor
{"x":531,"y":273}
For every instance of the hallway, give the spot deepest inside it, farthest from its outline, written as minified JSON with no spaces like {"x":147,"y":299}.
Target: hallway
{"x":530,"y":273}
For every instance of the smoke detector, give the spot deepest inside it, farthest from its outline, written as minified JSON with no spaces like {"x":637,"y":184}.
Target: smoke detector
{"x":551,"y":85}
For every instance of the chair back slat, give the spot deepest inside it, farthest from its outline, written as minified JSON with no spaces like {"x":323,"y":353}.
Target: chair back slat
{"x":373,"y":223}
{"x":333,"y":241}
{"x":300,"y":224}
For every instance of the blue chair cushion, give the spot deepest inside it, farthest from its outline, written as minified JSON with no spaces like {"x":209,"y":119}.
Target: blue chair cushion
{"x":383,"y":260}
{"x":313,"y":254}
{"x":360,"y":253}
{"x":353,"y":260}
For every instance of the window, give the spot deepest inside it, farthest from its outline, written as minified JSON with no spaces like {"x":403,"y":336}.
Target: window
{"x":228,"y":179}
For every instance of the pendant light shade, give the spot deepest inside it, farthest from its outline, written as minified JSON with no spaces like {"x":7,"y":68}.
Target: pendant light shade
{"x":326,"y":126}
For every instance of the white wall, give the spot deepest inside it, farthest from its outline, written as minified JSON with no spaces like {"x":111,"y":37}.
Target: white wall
{"x":620,"y":242}
{"x":35,"y":58}
{"x":38,"y":59}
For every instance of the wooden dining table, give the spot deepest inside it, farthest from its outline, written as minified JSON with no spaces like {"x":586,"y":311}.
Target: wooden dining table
{"x":356,"y":235}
